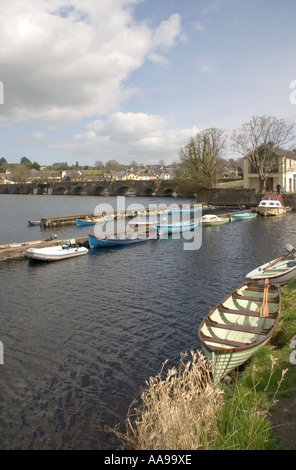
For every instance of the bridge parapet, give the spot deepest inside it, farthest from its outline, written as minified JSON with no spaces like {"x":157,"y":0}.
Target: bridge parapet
{"x":99,"y":188}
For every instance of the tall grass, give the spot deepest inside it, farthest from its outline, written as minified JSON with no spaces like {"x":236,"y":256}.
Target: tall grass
{"x":178,"y":411}
{"x":185,"y":409}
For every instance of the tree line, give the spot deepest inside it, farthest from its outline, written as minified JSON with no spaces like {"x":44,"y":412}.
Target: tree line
{"x":201,"y":159}
{"x":258,"y":141}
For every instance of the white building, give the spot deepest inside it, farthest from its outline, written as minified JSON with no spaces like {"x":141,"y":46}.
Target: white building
{"x":284,"y":175}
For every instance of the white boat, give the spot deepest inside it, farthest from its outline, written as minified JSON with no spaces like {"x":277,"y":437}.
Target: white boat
{"x":212,"y":219}
{"x":272,"y":204}
{"x":56,"y":253}
{"x":280,"y":270}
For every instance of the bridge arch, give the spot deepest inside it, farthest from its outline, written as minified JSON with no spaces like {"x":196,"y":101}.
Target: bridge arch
{"x":148,"y":192}
{"x":98,"y":191}
{"x":122,"y":190}
{"x":60,"y":190}
{"x":78,"y":190}
{"x":169,"y":192}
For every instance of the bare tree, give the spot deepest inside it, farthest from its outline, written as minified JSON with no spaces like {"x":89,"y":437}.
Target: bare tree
{"x":258,"y":142}
{"x":200,"y":156}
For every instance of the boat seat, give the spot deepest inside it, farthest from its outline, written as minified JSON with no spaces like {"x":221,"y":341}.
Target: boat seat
{"x":227,"y":342}
{"x":271,"y":288}
{"x":243,"y":329}
{"x":248,"y":313}
{"x":236,"y":295}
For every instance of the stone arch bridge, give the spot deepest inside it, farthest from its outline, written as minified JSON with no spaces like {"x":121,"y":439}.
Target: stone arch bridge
{"x":99,"y":188}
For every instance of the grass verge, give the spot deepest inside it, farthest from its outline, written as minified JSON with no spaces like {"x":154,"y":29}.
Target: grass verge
{"x":186,"y":410}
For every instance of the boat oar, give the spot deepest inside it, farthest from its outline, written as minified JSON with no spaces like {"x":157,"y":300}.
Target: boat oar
{"x":264,"y":311}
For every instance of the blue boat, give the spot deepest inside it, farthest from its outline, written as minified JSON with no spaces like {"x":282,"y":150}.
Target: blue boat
{"x":243,"y":216}
{"x":177,"y":227}
{"x":119,"y":240}
{"x":93,"y":221}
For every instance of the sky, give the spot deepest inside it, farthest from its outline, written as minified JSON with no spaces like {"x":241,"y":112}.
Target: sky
{"x":133,"y":80}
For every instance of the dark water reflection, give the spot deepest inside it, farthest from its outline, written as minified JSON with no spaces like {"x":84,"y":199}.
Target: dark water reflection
{"x":82,"y":336}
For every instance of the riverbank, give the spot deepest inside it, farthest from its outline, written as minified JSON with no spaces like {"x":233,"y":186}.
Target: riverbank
{"x":254,"y":410}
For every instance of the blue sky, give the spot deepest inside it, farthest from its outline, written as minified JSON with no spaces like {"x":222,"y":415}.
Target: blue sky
{"x":132,"y":80}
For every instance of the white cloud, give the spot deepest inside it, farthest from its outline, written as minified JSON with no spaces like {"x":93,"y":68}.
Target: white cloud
{"x":64,"y":61}
{"x":128,"y":136}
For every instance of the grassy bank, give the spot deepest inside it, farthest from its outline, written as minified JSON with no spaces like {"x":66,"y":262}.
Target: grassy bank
{"x":182,"y":408}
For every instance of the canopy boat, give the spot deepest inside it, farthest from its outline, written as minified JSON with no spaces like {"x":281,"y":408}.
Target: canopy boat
{"x":123,"y":239}
{"x":177,"y":227}
{"x":212,"y":219}
{"x":272,"y":204}
{"x":56,"y":253}
{"x":280,"y":270}
{"x":240,"y":325}
{"x":243,"y":216}
{"x":93,"y":220}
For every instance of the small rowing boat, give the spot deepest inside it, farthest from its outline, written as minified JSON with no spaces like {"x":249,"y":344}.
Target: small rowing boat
{"x":33,"y":223}
{"x":240,"y":325}
{"x":243,"y":216}
{"x":93,"y":221}
{"x":123,"y":239}
{"x":177,"y":227}
{"x":280,"y":270}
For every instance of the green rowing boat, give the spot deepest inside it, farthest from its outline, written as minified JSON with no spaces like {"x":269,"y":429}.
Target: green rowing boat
{"x":240,"y":325}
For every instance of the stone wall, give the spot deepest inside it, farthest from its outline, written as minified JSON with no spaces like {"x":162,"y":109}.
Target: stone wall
{"x":232,"y":196}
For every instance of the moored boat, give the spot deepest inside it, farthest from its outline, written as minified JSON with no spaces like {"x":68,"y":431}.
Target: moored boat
{"x":243,"y":216}
{"x":123,"y":239}
{"x":34,"y":222}
{"x":93,"y":221}
{"x":178,"y":227}
{"x":213,"y":219}
{"x":272,"y":205}
{"x":240,"y":325}
{"x":280,"y":270}
{"x":56,"y":253}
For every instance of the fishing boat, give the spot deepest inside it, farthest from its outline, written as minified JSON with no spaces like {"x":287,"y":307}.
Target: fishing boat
{"x":93,"y":221}
{"x":56,"y":253}
{"x":272,"y":205}
{"x":123,"y":239}
{"x":240,"y":325}
{"x":213,"y":219}
{"x":178,"y":227}
{"x":280,"y":270}
{"x":243,"y":216}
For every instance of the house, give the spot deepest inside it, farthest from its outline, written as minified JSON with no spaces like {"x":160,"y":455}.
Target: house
{"x":284,"y":174}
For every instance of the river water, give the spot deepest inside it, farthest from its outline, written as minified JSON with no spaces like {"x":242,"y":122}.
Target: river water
{"x":82,"y":336}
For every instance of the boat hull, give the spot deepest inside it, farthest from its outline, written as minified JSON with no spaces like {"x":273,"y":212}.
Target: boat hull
{"x":124,"y":240}
{"x":271,"y":211}
{"x":85,"y":222}
{"x":281,"y":272}
{"x":176,"y":228}
{"x":55,"y":253}
{"x":244,"y":216}
{"x":236,"y":329}
{"x":210,"y":221}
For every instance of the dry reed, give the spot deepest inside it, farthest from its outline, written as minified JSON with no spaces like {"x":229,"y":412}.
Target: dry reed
{"x":177,"y":412}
